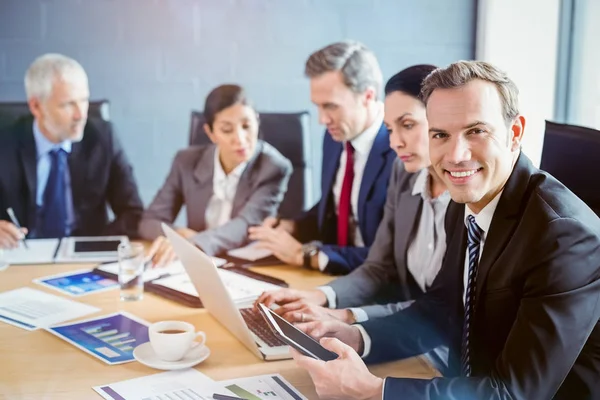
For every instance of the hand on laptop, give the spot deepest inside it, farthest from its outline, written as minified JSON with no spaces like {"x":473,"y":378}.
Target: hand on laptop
{"x":331,"y":378}
{"x":10,"y":235}
{"x":286,"y":296}
{"x":161,"y":252}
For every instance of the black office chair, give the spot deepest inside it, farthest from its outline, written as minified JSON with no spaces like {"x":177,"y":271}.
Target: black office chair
{"x":288,"y":133}
{"x":571,"y":155}
{"x":11,"y":111}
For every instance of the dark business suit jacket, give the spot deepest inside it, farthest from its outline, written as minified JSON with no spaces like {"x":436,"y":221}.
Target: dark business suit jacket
{"x":384,"y":278}
{"x":190,"y":182}
{"x":100,"y":175}
{"x":535,"y":331}
{"x":320,"y":222}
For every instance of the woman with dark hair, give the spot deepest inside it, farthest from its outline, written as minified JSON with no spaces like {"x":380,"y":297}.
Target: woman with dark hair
{"x":227,"y":186}
{"x":411,"y":241}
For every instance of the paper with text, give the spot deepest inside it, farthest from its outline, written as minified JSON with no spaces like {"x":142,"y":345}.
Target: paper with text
{"x":38,"y":309}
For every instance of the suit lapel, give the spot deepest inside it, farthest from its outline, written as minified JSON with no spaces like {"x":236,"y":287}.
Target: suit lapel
{"x":404,"y":221}
{"x":375,"y":163}
{"x":203,"y":177}
{"x":331,"y":161}
{"x":504,"y":221}
{"x":29,"y":161}
{"x":78,"y":169}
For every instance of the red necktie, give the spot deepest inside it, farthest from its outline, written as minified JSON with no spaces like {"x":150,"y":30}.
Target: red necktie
{"x":344,"y":210}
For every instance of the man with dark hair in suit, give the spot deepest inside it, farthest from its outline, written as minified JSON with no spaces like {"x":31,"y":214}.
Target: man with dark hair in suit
{"x":59,"y":170}
{"x":346,"y":86}
{"x":517,"y":299}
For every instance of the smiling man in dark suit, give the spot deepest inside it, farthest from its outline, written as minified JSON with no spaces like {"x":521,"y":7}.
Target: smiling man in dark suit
{"x":518,"y":297}
{"x":59,"y":170}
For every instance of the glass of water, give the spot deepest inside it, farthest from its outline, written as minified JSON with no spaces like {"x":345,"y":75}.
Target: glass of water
{"x":131,"y":271}
{"x":3,"y":262}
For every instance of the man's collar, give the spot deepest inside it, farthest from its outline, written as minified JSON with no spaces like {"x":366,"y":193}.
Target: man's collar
{"x":485,"y":216}
{"x":364,"y":141}
{"x":43,"y":145}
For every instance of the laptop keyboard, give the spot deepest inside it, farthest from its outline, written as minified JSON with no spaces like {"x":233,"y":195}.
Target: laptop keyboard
{"x":259,"y":327}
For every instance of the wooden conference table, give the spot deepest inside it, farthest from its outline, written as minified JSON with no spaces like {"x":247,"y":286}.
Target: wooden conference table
{"x":39,"y":365}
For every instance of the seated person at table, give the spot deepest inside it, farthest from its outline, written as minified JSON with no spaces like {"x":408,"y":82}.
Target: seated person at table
{"x":517,"y":299}
{"x":226,"y":187}
{"x":411,"y":240}
{"x":345,"y":83}
{"x":59,"y":170}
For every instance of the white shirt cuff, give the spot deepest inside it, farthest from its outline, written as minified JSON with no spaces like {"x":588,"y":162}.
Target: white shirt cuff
{"x":360,"y":315}
{"x":366,"y":341}
{"x":323,"y":260}
{"x":383,"y":390}
{"x":330,"y":294}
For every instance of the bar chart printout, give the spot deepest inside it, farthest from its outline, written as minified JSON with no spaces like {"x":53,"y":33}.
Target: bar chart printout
{"x":187,"y":384}
{"x":264,"y":387}
{"x":110,"y":338}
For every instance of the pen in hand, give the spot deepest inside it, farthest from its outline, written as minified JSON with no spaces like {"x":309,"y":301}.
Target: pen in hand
{"x":15,"y":221}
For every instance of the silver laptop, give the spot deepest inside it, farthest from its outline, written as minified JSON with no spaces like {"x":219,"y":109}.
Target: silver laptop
{"x":245,"y":323}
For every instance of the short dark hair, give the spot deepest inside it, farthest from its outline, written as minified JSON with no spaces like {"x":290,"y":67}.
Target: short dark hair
{"x":462,"y":72}
{"x":357,"y":64}
{"x":409,"y":80}
{"x":222,"y":97}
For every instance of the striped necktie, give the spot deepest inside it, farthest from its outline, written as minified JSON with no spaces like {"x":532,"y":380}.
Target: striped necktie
{"x":474,"y":233}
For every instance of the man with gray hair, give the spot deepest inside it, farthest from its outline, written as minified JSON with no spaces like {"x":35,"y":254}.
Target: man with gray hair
{"x":517,"y":299}
{"x":60,"y":170}
{"x":345,"y":85}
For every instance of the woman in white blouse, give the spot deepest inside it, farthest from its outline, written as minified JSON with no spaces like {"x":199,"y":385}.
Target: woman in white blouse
{"x":227,"y":186}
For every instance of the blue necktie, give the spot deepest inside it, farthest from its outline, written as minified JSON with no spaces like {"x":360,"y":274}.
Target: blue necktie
{"x":54,"y":210}
{"x":474,"y":233}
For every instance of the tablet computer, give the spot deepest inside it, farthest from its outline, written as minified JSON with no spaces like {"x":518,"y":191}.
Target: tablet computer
{"x":89,"y":248}
{"x":293,"y":336}
{"x":95,"y":246}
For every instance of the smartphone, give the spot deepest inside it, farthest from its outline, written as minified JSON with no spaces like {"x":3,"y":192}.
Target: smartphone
{"x":294,"y":337}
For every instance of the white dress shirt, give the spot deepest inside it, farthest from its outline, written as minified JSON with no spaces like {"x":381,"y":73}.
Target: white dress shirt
{"x":44,"y":165}
{"x":484,"y":220}
{"x":362,"y":145}
{"x":218,"y":211}
{"x":426,"y":251}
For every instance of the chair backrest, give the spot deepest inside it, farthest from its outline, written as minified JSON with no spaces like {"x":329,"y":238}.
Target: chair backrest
{"x":288,"y":133}
{"x":11,"y":111}
{"x":571,"y":154}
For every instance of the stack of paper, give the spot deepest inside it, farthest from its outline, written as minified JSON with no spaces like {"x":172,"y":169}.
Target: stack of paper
{"x":250,"y":252}
{"x":38,"y":251}
{"x":241,"y":288}
{"x":32,"y":309}
{"x":151,"y":274}
{"x":193,"y":385}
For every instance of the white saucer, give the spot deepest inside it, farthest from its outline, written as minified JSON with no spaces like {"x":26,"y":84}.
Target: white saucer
{"x":145,"y":355}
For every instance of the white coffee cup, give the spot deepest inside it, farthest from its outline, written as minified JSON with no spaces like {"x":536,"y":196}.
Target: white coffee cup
{"x":171,"y":340}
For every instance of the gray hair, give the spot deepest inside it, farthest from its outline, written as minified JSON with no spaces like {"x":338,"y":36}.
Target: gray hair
{"x":462,"y":72}
{"x":41,"y":74}
{"x":358,"y":65}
